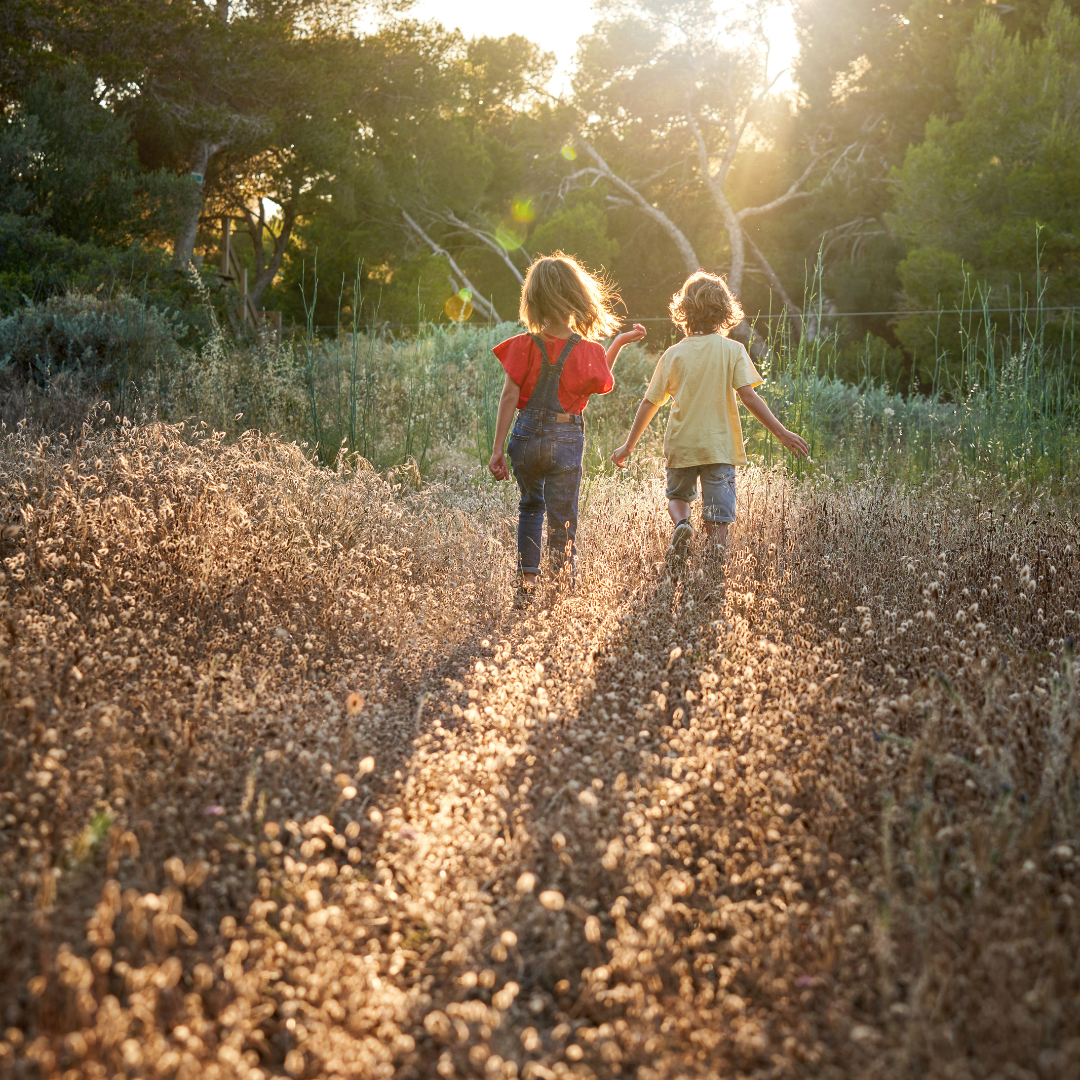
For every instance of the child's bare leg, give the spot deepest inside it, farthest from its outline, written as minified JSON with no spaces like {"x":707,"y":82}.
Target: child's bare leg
{"x":717,"y":532}
{"x":679,"y":509}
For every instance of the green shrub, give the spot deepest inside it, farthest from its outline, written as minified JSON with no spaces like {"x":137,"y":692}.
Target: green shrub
{"x":112,"y":342}
{"x":36,"y":263}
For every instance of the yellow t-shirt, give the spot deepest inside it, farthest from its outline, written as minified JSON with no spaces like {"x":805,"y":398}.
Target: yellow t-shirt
{"x":701,"y":373}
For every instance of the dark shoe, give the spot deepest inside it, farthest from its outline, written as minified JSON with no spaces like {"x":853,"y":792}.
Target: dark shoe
{"x":524,"y":596}
{"x":681,"y":536}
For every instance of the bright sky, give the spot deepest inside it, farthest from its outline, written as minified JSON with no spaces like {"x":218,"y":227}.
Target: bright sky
{"x":556,"y":25}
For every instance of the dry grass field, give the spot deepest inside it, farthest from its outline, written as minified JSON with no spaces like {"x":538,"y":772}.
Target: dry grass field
{"x":288,"y":789}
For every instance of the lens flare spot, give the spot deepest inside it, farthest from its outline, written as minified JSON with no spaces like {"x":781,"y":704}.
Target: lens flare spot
{"x":523,"y":210}
{"x":510,"y":236}
{"x":569,"y":153}
{"x":459,"y":307}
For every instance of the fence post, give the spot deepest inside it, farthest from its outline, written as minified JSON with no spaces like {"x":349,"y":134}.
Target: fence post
{"x":226,"y":246}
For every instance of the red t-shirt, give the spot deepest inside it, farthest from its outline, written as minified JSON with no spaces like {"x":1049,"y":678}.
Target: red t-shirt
{"x":585,"y":372}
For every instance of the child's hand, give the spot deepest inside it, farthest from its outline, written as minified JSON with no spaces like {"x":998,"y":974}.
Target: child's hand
{"x":497,"y":466}
{"x":620,"y":456}
{"x":636,"y":334}
{"x":795,"y":443}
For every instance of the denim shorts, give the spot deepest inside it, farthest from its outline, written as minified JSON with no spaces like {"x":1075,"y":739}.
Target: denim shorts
{"x":717,"y":490}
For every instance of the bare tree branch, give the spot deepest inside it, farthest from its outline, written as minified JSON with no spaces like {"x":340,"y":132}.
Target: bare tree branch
{"x":792,"y":309}
{"x":685,"y":248}
{"x":483,"y":305}
{"x":487,"y":240}
{"x":793,"y":192}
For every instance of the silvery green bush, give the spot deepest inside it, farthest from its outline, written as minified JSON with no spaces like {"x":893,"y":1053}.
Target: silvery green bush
{"x":110,"y":339}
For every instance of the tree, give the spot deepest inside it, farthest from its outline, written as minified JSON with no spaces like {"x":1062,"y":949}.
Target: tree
{"x":436,"y":198}
{"x":874,"y":72}
{"x":246,"y":102}
{"x":1000,"y":184}
{"x":670,"y":103}
{"x":69,"y":161}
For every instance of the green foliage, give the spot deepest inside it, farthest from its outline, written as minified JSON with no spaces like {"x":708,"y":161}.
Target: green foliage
{"x":448,"y":138}
{"x":580,"y":227}
{"x":391,"y":290}
{"x":933,"y":281}
{"x":112,"y":346}
{"x":318,"y":140}
{"x":1009,"y":406}
{"x":429,"y":398}
{"x":36,"y":264}
{"x":69,"y":161}
{"x":872,"y":360}
{"x":113,"y":337}
{"x":997,"y":188}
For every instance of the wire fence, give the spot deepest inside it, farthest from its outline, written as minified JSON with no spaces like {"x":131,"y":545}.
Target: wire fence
{"x":822,"y":313}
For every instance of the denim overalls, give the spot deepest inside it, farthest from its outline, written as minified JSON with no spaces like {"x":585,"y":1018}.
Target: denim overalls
{"x":545,"y":449}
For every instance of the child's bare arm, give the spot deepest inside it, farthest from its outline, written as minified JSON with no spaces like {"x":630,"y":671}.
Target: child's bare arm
{"x":507,"y":404}
{"x":753,"y":401}
{"x":646,"y":411}
{"x":636,"y":334}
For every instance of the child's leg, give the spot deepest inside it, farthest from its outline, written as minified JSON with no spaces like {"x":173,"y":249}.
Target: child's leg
{"x":530,"y":530}
{"x":717,"y":532}
{"x":681,"y":492}
{"x":679,"y":509}
{"x":523,"y":451}
{"x":561,"y":489}
{"x":718,"y":502}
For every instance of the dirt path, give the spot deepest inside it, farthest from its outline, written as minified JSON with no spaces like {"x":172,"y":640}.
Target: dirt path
{"x":616,"y":849}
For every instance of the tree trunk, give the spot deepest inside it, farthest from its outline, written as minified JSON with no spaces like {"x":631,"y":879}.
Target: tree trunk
{"x":265,"y":271}
{"x":735,"y":239}
{"x":185,"y":241}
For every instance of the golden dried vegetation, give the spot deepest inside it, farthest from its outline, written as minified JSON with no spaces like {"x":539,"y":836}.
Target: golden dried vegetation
{"x":290,"y":790}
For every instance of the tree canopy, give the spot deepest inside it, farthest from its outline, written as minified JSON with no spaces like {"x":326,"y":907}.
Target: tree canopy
{"x":926,"y":144}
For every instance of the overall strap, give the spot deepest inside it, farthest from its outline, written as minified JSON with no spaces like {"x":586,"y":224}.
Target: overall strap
{"x":545,"y":394}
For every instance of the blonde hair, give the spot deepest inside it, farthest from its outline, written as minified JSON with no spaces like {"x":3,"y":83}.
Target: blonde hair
{"x":558,"y":287}
{"x":704,"y":304}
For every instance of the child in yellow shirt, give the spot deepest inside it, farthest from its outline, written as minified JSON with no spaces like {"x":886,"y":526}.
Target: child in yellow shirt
{"x":703,"y":373}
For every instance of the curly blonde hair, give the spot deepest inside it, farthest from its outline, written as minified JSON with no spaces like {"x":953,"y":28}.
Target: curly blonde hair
{"x":704,"y":304}
{"x":558,"y":287}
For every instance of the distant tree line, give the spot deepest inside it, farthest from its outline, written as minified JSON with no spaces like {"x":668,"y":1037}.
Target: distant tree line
{"x":927,"y":141}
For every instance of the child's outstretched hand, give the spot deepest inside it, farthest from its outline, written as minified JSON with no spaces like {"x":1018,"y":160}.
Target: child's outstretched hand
{"x":636,"y":334}
{"x":497,"y":466}
{"x":795,"y":443}
{"x":620,"y":456}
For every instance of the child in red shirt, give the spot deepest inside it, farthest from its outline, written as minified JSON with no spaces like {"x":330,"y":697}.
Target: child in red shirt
{"x":551,"y":372}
